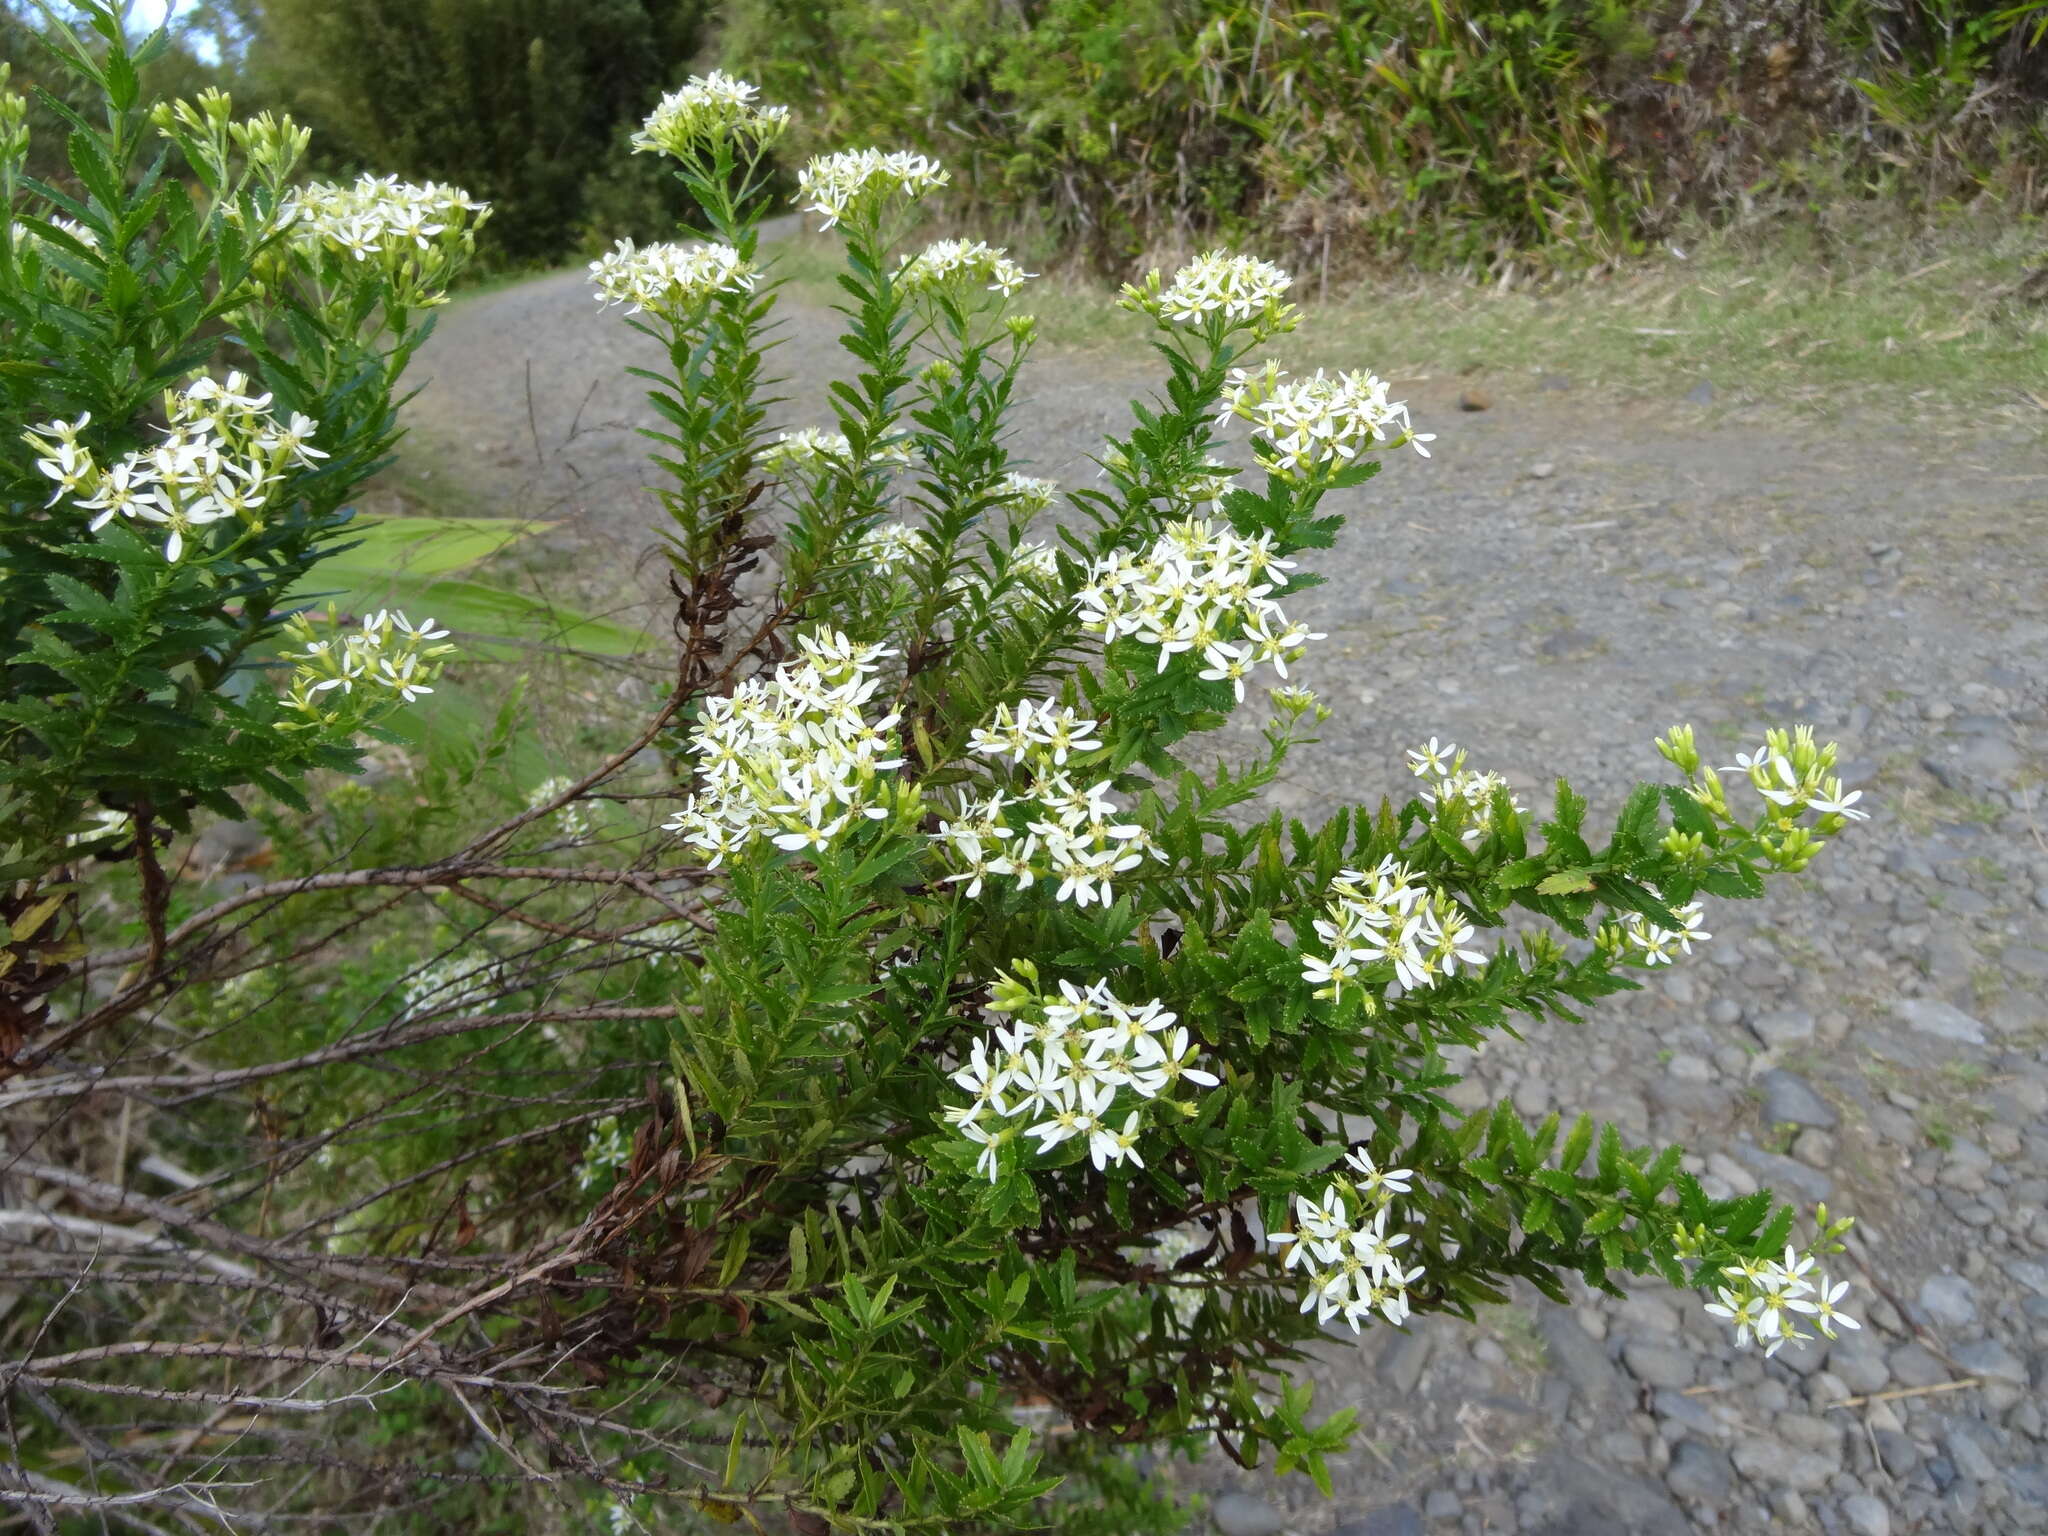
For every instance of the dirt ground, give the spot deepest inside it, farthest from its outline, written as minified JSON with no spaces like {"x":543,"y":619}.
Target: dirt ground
{"x":1568,"y":575}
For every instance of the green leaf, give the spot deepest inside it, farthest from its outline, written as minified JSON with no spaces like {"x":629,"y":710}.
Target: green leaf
{"x":1565,"y":882}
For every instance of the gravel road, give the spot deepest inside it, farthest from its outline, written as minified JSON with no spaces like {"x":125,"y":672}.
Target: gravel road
{"x":1567,"y":576}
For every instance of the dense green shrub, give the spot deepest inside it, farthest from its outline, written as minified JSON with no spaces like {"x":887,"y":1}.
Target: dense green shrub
{"x":1425,"y":129}
{"x":524,"y":102}
{"x":891,"y":1040}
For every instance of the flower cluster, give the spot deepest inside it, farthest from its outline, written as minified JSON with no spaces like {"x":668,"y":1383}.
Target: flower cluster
{"x":412,"y":232}
{"x":386,"y":656}
{"x":961,"y":262}
{"x":1451,"y":783}
{"x":672,"y":280}
{"x":709,"y":109}
{"x":1199,"y":589}
{"x":574,"y":820}
{"x":1352,"y":1269}
{"x":791,"y":758}
{"x":1058,"y":828}
{"x":854,"y":183}
{"x":1026,"y":495}
{"x":605,"y":1151}
{"x":1790,"y":770}
{"x":1794,"y":776}
{"x":809,"y":449}
{"x":1770,"y":1302}
{"x":223,"y":455}
{"x":452,"y":985}
{"x":1062,"y":1063}
{"x":1638,"y":938}
{"x":1241,"y":288}
{"x":1313,"y":428}
{"x":1388,"y":924}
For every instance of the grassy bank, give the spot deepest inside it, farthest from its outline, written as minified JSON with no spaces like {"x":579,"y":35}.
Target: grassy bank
{"x":1953,"y":324}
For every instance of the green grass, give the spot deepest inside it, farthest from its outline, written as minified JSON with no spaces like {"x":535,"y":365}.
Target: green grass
{"x":1886,"y":327}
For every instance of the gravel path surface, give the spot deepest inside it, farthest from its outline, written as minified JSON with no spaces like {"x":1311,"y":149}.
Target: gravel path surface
{"x":1560,"y":582}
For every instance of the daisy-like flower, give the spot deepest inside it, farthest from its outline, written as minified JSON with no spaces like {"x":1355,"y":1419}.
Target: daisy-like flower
{"x":961,"y":263}
{"x":222,"y":457}
{"x":857,"y":183}
{"x":1452,"y":785}
{"x":1309,"y":429}
{"x":1769,"y":1302}
{"x":391,"y":659}
{"x":1352,"y":1268}
{"x":792,"y":758}
{"x":1219,"y":287}
{"x":1637,"y":937}
{"x":1068,"y":1065}
{"x":1384,"y":916}
{"x":1199,"y":590}
{"x":412,"y":231}
{"x":707,"y":109}
{"x":675,"y":281}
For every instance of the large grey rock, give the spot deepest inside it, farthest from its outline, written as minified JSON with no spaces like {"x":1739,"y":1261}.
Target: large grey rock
{"x":1660,"y":1365}
{"x":1914,"y":1365}
{"x":1578,"y":1359}
{"x":1699,"y":1471}
{"x":1859,"y":1360}
{"x":1389,"y":1520}
{"x":1991,"y":1359}
{"x":1944,"y":1021}
{"x":1950,"y":1300}
{"x":1565,"y":1496}
{"x":1866,"y":1516}
{"x":1773,"y":1464}
{"x":1782,"y":1027}
{"x":1240,"y":1514}
{"x":1790,"y":1100}
{"x":1402,"y":1360}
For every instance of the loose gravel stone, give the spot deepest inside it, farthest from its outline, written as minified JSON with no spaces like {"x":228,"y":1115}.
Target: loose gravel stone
{"x":1866,"y":1516}
{"x":1790,"y":1100}
{"x":1660,"y":1365}
{"x":1931,"y":1016}
{"x":1772,"y":1464}
{"x":1240,"y":1514}
{"x":1950,"y":1300}
{"x":1783,"y":1027}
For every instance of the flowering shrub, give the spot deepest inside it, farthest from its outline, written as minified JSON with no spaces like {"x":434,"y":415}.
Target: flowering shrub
{"x":943,"y":1039}
{"x":155,"y":516}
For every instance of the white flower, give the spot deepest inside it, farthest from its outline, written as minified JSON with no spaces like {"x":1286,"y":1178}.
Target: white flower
{"x":963,"y":262}
{"x":385,"y":652}
{"x":605,"y":1150}
{"x":223,"y":457}
{"x":1652,"y":945}
{"x":856,"y":182}
{"x":1374,"y":1181}
{"x":672,"y":280}
{"x":1241,"y":287}
{"x":1062,"y":1065}
{"x":706,"y":109}
{"x":1453,"y":785}
{"x":451,"y":985}
{"x":1387,"y":915}
{"x":1199,"y":589}
{"x":381,"y":220}
{"x":792,"y":758}
{"x":1768,"y":1301}
{"x":1351,"y":1264}
{"x":1312,"y":428}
